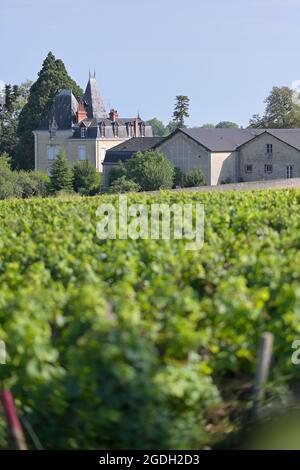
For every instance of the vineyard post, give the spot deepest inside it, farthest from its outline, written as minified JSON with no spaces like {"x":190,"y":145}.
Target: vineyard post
{"x":263,"y":367}
{"x":12,"y":419}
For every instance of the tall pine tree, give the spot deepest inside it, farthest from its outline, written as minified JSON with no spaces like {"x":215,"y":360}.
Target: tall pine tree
{"x":52,"y":78}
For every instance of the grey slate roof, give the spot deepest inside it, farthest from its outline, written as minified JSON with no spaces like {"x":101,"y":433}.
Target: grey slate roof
{"x":228,"y":140}
{"x":62,"y":111}
{"x":126,"y":150}
{"x":94,"y":103}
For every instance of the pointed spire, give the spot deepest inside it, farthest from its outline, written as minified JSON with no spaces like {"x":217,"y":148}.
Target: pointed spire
{"x":94,"y":72}
{"x":92,"y":97}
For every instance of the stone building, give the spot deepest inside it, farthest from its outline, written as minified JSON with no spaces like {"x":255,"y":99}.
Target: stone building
{"x":83,"y":129}
{"x":228,"y":155}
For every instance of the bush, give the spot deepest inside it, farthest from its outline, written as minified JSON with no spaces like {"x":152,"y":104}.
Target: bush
{"x":194,"y":178}
{"x":178,"y":177}
{"x":123,"y":185}
{"x":85,"y":179}
{"x":34,"y":183}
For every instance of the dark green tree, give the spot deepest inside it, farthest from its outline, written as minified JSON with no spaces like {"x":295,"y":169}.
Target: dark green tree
{"x":52,"y":77}
{"x":181,"y":110}
{"x":84,"y":178}
{"x":61,"y":174}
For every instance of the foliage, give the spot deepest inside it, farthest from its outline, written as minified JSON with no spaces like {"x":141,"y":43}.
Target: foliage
{"x":227,"y":125}
{"x":282,"y":110}
{"x":150,"y":170}
{"x":194,"y":178}
{"x":123,"y":185}
{"x":85,"y":179}
{"x":61,"y":174}
{"x":158,"y":128}
{"x":178,"y":179}
{"x":21,"y":184}
{"x":208,"y":125}
{"x":128,"y":343}
{"x":181,"y":110}
{"x":52,"y":77}
{"x":15,"y":99}
{"x":171,"y":127}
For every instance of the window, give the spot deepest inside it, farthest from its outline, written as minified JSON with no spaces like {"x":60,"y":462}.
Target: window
{"x":82,"y":153}
{"x":83,"y":132}
{"x":268,"y":168}
{"x":289,"y":171}
{"x":53,"y":151}
{"x":248,"y":168}
{"x":269,"y":148}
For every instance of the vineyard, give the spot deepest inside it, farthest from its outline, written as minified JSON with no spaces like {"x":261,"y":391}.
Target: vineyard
{"x":141,"y":343}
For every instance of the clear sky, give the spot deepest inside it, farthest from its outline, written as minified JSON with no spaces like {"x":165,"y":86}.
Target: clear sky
{"x":224,"y":54}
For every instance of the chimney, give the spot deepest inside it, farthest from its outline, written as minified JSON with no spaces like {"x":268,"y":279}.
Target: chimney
{"x":81,"y":112}
{"x":113,"y":115}
{"x":136,"y":127}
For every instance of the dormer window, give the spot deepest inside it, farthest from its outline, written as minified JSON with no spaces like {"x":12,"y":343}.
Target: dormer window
{"x":115,"y":129}
{"x":102,"y":129}
{"x":142,"y":129}
{"x":129,"y":129}
{"x":83,"y":132}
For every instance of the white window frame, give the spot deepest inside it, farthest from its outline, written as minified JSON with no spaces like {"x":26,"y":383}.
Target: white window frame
{"x":83,"y":132}
{"x":81,"y":151}
{"x":52,"y":152}
{"x":289,"y":171}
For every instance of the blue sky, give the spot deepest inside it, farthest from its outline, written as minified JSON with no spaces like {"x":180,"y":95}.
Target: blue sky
{"x":224,"y":54}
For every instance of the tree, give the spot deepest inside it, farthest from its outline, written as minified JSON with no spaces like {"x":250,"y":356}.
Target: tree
{"x":15,"y":98}
{"x":52,"y":77}
{"x":171,"y":127}
{"x":282,"y":110}
{"x":159,"y":130}
{"x":208,"y":126}
{"x":84,"y":178}
{"x":150,"y":170}
{"x":227,"y":125}
{"x":181,"y":110}
{"x":61,"y":174}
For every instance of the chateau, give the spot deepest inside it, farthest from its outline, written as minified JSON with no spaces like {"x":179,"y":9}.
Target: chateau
{"x":84,"y":130}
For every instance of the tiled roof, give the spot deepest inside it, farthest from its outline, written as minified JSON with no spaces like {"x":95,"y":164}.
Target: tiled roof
{"x":62,"y":111}
{"x":124,"y":151}
{"x":94,"y":103}
{"x":228,"y":140}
